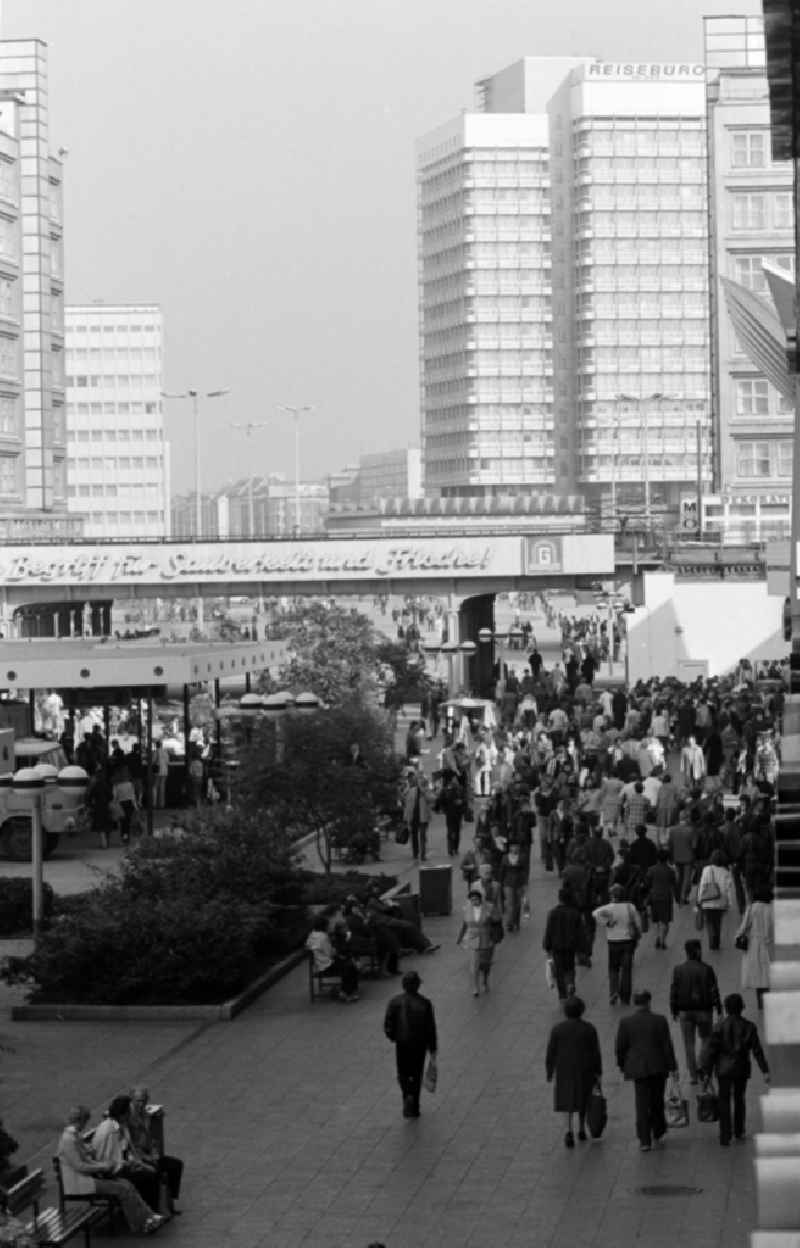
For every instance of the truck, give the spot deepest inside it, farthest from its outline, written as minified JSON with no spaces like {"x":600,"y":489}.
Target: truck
{"x":62,"y":801}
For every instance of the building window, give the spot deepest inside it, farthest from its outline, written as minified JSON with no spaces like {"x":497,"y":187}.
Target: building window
{"x":752,"y":459}
{"x":749,"y":212}
{"x":784,"y":216}
{"x":784,"y":458}
{"x":749,"y":149}
{"x":749,"y":272}
{"x":8,"y":475}
{"x":752,"y":397}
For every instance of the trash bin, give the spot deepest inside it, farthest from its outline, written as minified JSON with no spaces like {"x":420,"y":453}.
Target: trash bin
{"x":436,"y":889}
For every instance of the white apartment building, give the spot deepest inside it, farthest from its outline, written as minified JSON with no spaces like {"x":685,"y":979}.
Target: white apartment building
{"x":117,"y":455}
{"x":563,"y":284}
{"x":751,"y":221}
{"x":32,"y":426}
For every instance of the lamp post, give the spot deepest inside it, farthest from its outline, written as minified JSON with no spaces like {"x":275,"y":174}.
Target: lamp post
{"x":643,"y":400}
{"x":295,"y":413}
{"x":195,"y":397}
{"x":250,"y":428}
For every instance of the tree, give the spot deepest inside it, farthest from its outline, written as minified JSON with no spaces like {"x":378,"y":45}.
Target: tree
{"x":333,"y":653}
{"x":299,"y":772}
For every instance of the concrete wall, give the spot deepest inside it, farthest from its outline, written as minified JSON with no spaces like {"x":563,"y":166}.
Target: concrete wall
{"x":686,"y":623}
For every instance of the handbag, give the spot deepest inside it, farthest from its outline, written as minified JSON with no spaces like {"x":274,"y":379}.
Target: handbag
{"x":550,"y":973}
{"x":401,"y":834}
{"x":468,"y":815}
{"x":431,"y":1074}
{"x":699,"y":921}
{"x":742,"y":942}
{"x":597,"y":1112}
{"x":676,"y":1106}
{"x":711,"y":892}
{"x":496,"y":931}
{"x":707,"y":1104}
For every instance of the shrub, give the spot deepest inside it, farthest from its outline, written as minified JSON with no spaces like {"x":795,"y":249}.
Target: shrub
{"x":16,"y":905}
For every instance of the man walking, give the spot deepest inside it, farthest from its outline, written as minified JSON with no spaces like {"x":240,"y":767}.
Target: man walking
{"x":623,"y":931}
{"x":729,"y":1050}
{"x":645,"y":1055}
{"x":411,"y":1026}
{"x":563,"y":939}
{"x":693,"y":996}
{"x":682,"y":845}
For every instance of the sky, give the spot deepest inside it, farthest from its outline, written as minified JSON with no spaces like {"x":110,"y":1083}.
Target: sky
{"x":250,"y":167}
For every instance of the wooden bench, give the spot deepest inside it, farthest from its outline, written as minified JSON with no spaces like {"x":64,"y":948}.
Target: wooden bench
{"x":50,"y":1226}
{"x":102,"y":1206}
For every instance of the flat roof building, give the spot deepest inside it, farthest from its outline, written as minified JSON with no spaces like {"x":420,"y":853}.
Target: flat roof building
{"x":118,"y":457}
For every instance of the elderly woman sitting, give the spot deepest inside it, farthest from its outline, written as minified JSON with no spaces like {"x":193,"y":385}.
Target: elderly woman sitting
{"x":83,"y":1175}
{"x":112,"y":1144}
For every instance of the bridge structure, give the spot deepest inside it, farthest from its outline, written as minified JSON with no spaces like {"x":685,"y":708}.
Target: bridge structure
{"x":68,"y":591}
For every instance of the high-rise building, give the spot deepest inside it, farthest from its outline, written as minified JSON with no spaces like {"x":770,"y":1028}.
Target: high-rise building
{"x":751,"y":221}
{"x":118,"y":458}
{"x":32,"y":426}
{"x":563,"y":284}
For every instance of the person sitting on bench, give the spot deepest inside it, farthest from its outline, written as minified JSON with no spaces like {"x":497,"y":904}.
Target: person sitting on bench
{"x":113,"y":1145}
{"x":364,"y":930}
{"x":390,"y":915}
{"x":327,"y":961}
{"x":146,"y":1146}
{"x":83,"y":1175}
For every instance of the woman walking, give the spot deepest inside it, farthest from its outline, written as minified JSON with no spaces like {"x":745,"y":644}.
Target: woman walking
{"x":477,"y":937}
{"x":756,"y":928}
{"x":661,"y":884}
{"x":573,"y":1057}
{"x":730,"y":1047}
{"x":715,"y":895}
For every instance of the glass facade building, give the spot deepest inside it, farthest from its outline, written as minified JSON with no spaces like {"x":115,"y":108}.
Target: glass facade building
{"x":118,"y":458}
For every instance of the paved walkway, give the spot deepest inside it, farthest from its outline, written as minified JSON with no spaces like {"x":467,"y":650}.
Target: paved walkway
{"x":289,"y":1117}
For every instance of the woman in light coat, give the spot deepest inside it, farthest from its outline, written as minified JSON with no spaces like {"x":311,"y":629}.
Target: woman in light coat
{"x":757,"y":926}
{"x":476,"y":937}
{"x":715,"y":895}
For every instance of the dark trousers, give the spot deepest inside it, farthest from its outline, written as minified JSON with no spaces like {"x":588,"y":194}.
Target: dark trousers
{"x":650,"y":1121}
{"x":453,"y":821}
{"x":410,"y":1067}
{"x":146,"y":1183}
{"x":694,"y":1023}
{"x":683,"y":881}
{"x":738,"y":884}
{"x":731,"y":1089}
{"x":172,"y":1170}
{"x":713,"y":922}
{"x":419,"y":839}
{"x":564,"y":967}
{"x":620,"y":969}
{"x":345,"y":968}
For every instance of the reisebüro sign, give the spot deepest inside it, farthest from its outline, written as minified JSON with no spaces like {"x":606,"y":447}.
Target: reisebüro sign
{"x":686,"y":71}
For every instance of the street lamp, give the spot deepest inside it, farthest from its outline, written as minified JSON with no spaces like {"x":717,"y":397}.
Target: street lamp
{"x":250,"y":428}
{"x":295,"y":413}
{"x":195,"y":396}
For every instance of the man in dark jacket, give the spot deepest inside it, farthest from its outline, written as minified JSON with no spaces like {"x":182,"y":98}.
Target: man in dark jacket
{"x":645,"y":1054}
{"x":728,"y":1052}
{"x":693,"y":996}
{"x":563,"y":939}
{"x":411,"y":1026}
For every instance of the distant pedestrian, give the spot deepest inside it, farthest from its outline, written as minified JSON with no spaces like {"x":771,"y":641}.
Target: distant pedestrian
{"x":417,"y":812}
{"x":563,"y":939}
{"x":683,"y":838}
{"x":758,"y":930}
{"x":477,"y":937}
{"x":732,"y":1043}
{"x":645,"y":1055}
{"x":693,"y":997}
{"x":410,"y":1024}
{"x":715,"y":896}
{"x":573,"y":1057}
{"x":660,"y":881}
{"x":623,"y":932}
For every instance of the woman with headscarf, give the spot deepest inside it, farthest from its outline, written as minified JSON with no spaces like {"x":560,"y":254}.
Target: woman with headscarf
{"x":573,"y":1058}
{"x":476,"y":936}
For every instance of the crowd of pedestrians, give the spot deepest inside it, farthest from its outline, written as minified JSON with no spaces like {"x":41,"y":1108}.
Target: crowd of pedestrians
{"x":639,"y":802}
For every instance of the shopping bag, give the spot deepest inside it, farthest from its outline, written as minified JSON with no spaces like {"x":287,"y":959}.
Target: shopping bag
{"x":550,"y":973}
{"x":431,"y":1075}
{"x":698,"y":919}
{"x":707,"y":1104}
{"x":597,"y":1113}
{"x":496,"y":931}
{"x":676,"y":1107}
{"x":401,"y":834}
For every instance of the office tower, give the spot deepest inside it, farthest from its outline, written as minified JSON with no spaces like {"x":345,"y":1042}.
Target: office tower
{"x":751,"y":222}
{"x":32,"y":428}
{"x":118,"y":459}
{"x":563,"y":284}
